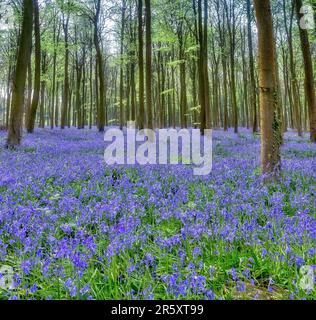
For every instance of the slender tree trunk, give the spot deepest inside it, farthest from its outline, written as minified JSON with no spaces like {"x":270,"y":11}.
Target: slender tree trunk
{"x":121,"y":65}
{"x":8,"y":101}
{"x":203,"y":69}
{"x":294,"y":83}
{"x":141,"y":115}
{"x":65,"y":103}
{"x":79,"y":67}
{"x":42,"y":94}
{"x":231,"y":21}
{"x":150,"y":124}
{"x":253,"y":87}
{"x":208,"y":120}
{"x":309,"y":79}
{"x":91,"y":88}
{"x":183,"y":86}
{"x":99,"y":60}
{"x":28,"y":103}
{"x":31,"y":113}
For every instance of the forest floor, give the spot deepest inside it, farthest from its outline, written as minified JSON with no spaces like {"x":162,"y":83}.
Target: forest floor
{"x":72,"y":227}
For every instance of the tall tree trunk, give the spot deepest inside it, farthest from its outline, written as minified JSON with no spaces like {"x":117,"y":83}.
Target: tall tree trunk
{"x":231,"y":21}
{"x":99,"y":58}
{"x":309,"y":79}
{"x":253,"y":87}
{"x":204,"y":98}
{"x":294,"y":83}
{"x":42,"y":93}
{"x":141,"y":113}
{"x":270,"y":144}
{"x":122,"y":64}
{"x":91,"y":88}
{"x":65,"y":103}
{"x":148,"y":65}
{"x":31,"y":113}
{"x":183,"y":86}
{"x":208,"y":120}
{"x":28,"y":103}
{"x":79,"y":66}
{"x":8,"y":97}
{"x":56,"y":40}
{"x":24,"y":55}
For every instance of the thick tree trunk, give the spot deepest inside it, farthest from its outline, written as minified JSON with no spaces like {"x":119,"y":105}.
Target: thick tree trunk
{"x":24,"y":54}
{"x":270,"y":146}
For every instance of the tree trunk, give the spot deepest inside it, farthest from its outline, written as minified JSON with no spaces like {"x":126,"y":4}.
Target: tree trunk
{"x":253,"y":89}
{"x":99,"y":60}
{"x":8,"y":97}
{"x":31,"y":113}
{"x":294,"y":83}
{"x":24,"y":54}
{"x":121,"y":65}
{"x":202,"y":71}
{"x":309,"y":79}
{"x":148,"y":65}
{"x":141,"y":114}
{"x":270,"y":146}
{"x":65,"y":103}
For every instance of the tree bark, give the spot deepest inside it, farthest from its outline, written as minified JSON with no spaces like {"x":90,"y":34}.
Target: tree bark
{"x":31,"y":113}
{"x":148,"y":65}
{"x":141,"y":115}
{"x":309,"y":79}
{"x":24,"y":54}
{"x":99,"y":58}
{"x":270,"y":146}
{"x":121,"y":65}
{"x":253,"y":88}
{"x":65,"y":103}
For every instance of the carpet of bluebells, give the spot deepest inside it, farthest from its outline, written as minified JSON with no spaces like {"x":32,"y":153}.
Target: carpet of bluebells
{"x":73,"y":228}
